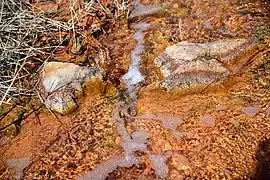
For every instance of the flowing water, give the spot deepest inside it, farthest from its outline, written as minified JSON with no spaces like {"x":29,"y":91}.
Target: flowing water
{"x":134,"y":77}
{"x":137,"y":141}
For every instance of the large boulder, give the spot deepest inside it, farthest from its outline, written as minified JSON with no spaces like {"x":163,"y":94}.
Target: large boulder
{"x":61,"y":83}
{"x":185,"y":64}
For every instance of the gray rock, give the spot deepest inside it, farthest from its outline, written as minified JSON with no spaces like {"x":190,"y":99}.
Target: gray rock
{"x":251,"y":110}
{"x":142,"y":10}
{"x":18,"y":165}
{"x":185,"y":64}
{"x":61,"y":83}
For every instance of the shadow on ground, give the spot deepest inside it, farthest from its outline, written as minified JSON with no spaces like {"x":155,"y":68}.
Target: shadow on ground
{"x":263,"y":158}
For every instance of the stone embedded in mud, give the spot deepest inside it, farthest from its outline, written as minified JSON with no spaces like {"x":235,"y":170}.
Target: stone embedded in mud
{"x":251,"y":111}
{"x":185,"y":64}
{"x":18,"y":165}
{"x":61,"y":83}
{"x":207,"y":120}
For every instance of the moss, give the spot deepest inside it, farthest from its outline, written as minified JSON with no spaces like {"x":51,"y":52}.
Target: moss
{"x":262,"y":34}
{"x":261,"y":74}
{"x":1,"y":110}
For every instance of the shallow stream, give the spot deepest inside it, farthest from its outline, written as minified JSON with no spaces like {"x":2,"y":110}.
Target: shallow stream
{"x":138,"y":140}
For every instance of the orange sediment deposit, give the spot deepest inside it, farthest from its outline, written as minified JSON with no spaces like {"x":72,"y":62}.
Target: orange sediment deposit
{"x":245,"y":59}
{"x":211,"y":131}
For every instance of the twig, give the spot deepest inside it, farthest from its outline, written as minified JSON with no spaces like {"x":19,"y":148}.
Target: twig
{"x":6,"y":113}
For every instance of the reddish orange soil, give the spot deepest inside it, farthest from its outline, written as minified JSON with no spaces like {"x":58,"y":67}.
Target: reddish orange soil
{"x":216,"y":140}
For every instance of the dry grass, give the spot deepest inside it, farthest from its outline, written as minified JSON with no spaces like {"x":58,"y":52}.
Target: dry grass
{"x":20,"y":35}
{"x":28,"y":39}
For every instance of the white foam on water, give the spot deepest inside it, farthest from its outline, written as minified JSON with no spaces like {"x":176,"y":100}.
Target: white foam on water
{"x":103,"y":170}
{"x":133,"y":77}
{"x":136,"y":142}
{"x":159,"y":164}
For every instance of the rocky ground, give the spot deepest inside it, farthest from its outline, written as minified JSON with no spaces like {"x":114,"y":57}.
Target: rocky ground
{"x":224,"y":128}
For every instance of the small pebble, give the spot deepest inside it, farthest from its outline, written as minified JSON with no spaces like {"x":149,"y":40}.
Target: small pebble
{"x":250,"y":111}
{"x":208,"y":120}
{"x":207,"y":25}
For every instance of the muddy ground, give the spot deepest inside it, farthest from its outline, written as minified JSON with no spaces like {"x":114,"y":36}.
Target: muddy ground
{"x":226,"y":127}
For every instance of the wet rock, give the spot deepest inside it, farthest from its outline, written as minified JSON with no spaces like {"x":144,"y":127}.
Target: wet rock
{"x":227,"y":33}
{"x":18,"y":165}
{"x":208,"y":120}
{"x":61,"y":83}
{"x":185,"y":64}
{"x":251,"y":110}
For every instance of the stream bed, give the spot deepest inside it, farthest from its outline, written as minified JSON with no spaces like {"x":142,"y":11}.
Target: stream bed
{"x":138,"y":140}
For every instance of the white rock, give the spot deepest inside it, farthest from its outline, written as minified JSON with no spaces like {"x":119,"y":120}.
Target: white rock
{"x":187,"y":64}
{"x":62,"y":82}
